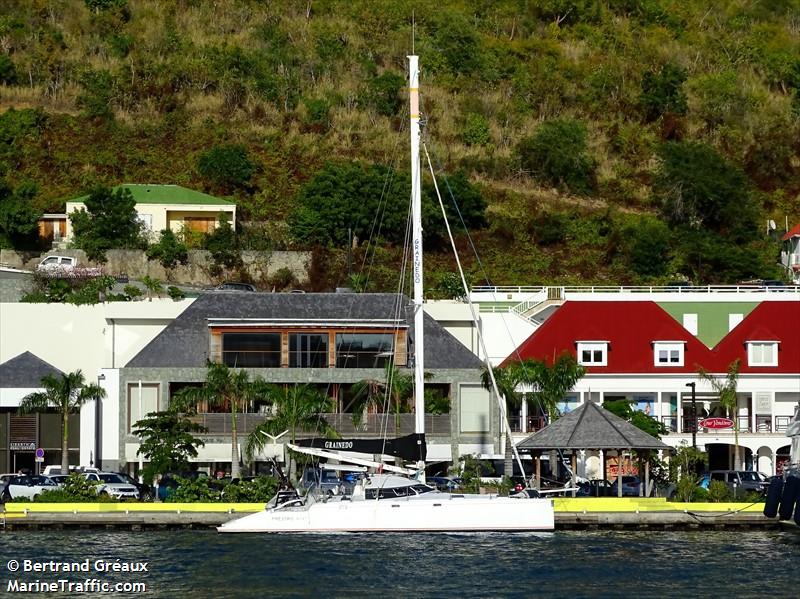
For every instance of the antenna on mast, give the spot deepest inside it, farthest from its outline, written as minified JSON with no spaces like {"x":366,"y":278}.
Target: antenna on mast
{"x":413,"y":31}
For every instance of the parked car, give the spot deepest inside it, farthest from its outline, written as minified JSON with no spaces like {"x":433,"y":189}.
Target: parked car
{"x":145,"y":491}
{"x":235,"y":286}
{"x":30,"y":486}
{"x":4,"y":480}
{"x":630,"y":486}
{"x":739,"y":480}
{"x":443,"y":483}
{"x":59,"y":479}
{"x":113,"y":485}
{"x":598,"y":487}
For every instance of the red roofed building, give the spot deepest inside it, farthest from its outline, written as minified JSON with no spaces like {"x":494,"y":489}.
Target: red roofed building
{"x":635,"y":350}
{"x":790,"y":255}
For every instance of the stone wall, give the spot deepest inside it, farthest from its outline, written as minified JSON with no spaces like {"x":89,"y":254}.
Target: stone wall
{"x":260,"y":266}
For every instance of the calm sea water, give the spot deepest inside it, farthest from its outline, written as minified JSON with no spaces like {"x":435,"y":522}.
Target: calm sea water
{"x":564,"y":564}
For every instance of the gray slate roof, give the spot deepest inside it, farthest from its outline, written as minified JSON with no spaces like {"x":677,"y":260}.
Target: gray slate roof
{"x":184,"y":343}
{"x":590,"y":427}
{"x":25,"y":371}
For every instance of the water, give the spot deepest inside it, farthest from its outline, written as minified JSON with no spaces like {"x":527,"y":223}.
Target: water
{"x":564,"y":564}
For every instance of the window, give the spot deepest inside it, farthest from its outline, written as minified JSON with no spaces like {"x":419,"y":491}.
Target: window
{"x":668,"y":354}
{"x":363,"y":350}
{"x":762,"y":353}
{"x":593,"y":353}
{"x":141,"y":401}
{"x":251,"y":350}
{"x":475,"y":409}
{"x":308,"y":350}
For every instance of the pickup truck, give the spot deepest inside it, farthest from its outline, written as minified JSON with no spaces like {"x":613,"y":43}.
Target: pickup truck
{"x":66,"y":266}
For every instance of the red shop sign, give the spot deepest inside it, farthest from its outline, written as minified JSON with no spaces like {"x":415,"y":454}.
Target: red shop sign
{"x":716,"y":423}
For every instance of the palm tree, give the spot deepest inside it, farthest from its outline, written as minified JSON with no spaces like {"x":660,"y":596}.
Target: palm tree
{"x":226,"y":388}
{"x":297,"y":408}
{"x":726,"y":391}
{"x":66,"y":394}
{"x":550,"y":384}
{"x":391,"y":395}
{"x":153,"y":287}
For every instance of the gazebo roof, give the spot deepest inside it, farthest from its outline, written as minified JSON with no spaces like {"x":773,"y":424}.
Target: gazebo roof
{"x":590,"y":427}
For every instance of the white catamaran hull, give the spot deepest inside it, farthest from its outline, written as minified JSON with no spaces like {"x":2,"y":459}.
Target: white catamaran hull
{"x":417,"y":514}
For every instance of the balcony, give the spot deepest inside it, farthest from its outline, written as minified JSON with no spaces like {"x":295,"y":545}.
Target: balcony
{"x":533,"y":424}
{"x":765,"y":424}
{"x":373,"y":425}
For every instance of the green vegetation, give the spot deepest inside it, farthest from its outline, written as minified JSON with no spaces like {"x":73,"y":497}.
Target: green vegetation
{"x":66,"y":394}
{"x":167,"y":443}
{"x":76,"y":489}
{"x":169,"y":251}
{"x":208,"y":490}
{"x":109,"y":221}
{"x":576,"y":123}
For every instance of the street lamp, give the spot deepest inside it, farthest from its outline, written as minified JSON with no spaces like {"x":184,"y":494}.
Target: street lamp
{"x":98,"y":425}
{"x":694,"y":415}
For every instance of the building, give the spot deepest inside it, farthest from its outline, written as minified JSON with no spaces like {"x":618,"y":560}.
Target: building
{"x":790,"y":254}
{"x":650,"y":354}
{"x":141,"y":353}
{"x":163,"y":207}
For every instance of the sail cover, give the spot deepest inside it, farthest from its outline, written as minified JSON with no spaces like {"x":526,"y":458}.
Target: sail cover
{"x":411,"y":447}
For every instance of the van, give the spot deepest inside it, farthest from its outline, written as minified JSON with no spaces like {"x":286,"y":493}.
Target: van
{"x":740,"y":480}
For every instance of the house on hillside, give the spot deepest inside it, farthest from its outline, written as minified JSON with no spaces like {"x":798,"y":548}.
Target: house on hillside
{"x":167,"y":207}
{"x":790,"y":254}
{"x":637,"y":351}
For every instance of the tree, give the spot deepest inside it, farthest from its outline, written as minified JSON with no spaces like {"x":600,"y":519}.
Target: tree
{"x":296,"y":408}
{"x":153,"y":287}
{"x":551,"y":383}
{"x":224,"y":388}
{"x":393,"y":394}
{"x":167,"y":443}
{"x":662,"y":92}
{"x":109,"y":221}
{"x":697,"y":187}
{"x":18,"y":219}
{"x":169,"y":251}
{"x":66,"y":394}
{"x":649,"y":247}
{"x":726,"y":392}
{"x":223,"y":246}
{"x":556,"y":154}
{"x":383,"y":93}
{"x":226,"y":167}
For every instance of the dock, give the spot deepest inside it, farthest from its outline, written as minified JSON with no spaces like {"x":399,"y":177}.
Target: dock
{"x":570,"y":514}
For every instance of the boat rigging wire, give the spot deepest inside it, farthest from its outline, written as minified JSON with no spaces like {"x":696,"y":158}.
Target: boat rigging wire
{"x":502,"y":405}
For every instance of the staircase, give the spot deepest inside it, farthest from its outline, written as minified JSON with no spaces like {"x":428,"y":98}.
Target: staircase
{"x":534,"y":309}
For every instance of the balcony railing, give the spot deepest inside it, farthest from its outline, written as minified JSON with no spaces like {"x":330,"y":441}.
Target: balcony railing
{"x":372,"y":426}
{"x":765,"y":423}
{"x":533,"y":424}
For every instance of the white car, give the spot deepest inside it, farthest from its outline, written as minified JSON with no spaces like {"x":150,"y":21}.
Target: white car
{"x":30,"y":486}
{"x":113,"y":485}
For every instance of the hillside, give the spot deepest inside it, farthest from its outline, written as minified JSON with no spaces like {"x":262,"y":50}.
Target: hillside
{"x":612,"y":141}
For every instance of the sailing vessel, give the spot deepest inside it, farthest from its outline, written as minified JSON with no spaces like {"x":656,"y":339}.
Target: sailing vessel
{"x":397,"y":499}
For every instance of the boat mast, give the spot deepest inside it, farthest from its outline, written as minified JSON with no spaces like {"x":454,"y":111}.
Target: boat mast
{"x":416,"y":237}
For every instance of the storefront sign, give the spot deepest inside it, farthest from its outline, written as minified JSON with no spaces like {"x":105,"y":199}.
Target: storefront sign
{"x":22,"y":446}
{"x":716,"y":423}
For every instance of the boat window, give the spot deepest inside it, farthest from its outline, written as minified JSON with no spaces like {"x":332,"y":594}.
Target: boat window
{"x":420,"y":489}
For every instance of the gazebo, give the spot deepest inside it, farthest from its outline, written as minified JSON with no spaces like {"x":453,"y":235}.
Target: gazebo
{"x":590,"y":427}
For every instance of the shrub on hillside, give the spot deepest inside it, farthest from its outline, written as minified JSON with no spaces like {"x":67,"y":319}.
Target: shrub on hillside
{"x":226,"y":167}
{"x":556,"y":154}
